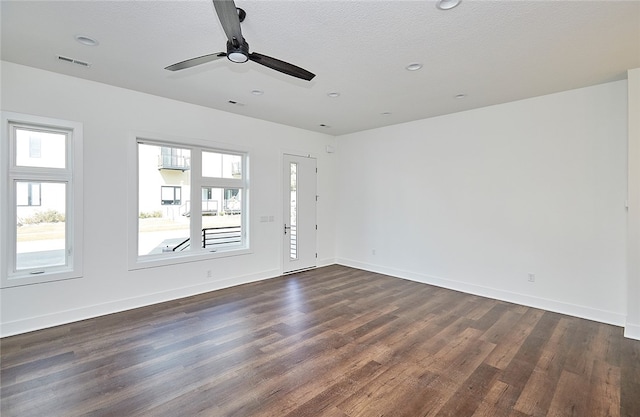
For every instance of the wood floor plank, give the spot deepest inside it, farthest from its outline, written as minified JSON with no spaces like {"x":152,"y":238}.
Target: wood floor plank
{"x":330,"y":342}
{"x":571,"y":397}
{"x":513,"y":340}
{"x":535,"y":397}
{"x":466,"y":400}
{"x":604,"y":394}
{"x":491,"y":405}
{"x":629,"y":378}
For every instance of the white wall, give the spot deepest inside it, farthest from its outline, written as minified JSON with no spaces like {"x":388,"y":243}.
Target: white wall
{"x":478,"y":200}
{"x":110,"y":115}
{"x":632,"y":327}
{"x":473,"y":201}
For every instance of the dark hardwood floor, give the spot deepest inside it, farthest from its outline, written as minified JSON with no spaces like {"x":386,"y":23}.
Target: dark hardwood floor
{"x":333,"y":342}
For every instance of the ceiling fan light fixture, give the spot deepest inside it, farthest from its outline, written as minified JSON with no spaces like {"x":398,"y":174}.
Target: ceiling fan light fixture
{"x":238,"y":54}
{"x":237,"y":57}
{"x":447,"y":4}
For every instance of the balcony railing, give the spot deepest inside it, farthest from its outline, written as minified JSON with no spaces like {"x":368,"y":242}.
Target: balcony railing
{"x":209,"y":208}
{"x":175,"y":162}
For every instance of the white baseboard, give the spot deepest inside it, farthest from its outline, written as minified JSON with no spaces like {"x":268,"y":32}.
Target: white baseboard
{"x":78,"y":314}
{"x":584,"y":312}
{"x":632,"y":331}
{"x":325,"y":262}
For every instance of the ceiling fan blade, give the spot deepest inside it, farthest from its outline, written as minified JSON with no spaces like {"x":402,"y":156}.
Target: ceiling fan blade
{"x":281,"y":66}
{"x":195,"y":61}
{"x":228,"y":15}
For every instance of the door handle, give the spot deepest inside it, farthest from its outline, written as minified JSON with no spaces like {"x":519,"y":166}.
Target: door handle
{"x":286,"y":228}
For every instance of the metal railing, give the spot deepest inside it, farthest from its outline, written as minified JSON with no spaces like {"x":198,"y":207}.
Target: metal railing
{"x":209,"y":208}
{"x":175,"y":162}
{"x":214,"y":237}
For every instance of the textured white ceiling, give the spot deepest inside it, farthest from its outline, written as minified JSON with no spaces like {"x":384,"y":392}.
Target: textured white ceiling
{"x":492,"y":51}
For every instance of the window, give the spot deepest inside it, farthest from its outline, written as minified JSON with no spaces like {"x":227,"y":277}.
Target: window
{"x":35,"y":147}
{"x":219,"y":165}
{"x":201,"y":206}
{"x":28,"y":193}
{"x":42,"y":220}
{"x":170,"y":195}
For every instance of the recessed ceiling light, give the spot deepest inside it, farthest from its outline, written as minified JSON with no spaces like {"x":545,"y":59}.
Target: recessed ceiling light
{"x":447,"y":4}
{"x":325,"y":126}
{"x":85,"y":40}
{"x":413,"y":67}
{"x":386,"y":113}
{"x":333,"y":94}
{"x":257,"y":92}
{"x":459,"y":96}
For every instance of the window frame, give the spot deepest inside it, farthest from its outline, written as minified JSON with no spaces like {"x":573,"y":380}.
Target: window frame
{"x":197,"y":182}
{"x":71,"y":175}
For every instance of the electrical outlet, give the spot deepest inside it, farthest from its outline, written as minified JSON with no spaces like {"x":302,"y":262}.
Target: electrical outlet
{"x":209,"y":273}
{"x":531,"y":278}
{"x":373,"y":252}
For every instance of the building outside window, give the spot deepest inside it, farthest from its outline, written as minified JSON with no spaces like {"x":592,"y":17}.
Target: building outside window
{"x":35,"y":147}
{"x":170,"y":195}
{"x":28,"y":194}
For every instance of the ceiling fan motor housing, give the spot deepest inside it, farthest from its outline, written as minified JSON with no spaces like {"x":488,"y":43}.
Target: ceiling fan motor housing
{"x":239,"y":53}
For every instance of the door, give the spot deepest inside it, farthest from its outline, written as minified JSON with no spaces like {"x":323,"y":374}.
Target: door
{"x":299,"y":232}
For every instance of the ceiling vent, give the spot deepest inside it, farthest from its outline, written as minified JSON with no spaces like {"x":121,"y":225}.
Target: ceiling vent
{"x":73,"y":61}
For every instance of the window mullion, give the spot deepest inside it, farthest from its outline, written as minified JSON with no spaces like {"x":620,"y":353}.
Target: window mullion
{"x":196,"y":199}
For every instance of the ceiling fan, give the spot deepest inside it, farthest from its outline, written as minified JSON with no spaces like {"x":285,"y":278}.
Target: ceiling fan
{"x":237,"y":47}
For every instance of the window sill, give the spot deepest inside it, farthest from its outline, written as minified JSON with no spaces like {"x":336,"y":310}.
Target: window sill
{"x":154,"y":261}
{"x":21,"y":279}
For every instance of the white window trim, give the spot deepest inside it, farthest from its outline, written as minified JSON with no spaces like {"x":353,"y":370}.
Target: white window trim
{"x":74,"y":210}
{"x":197,"y":182}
